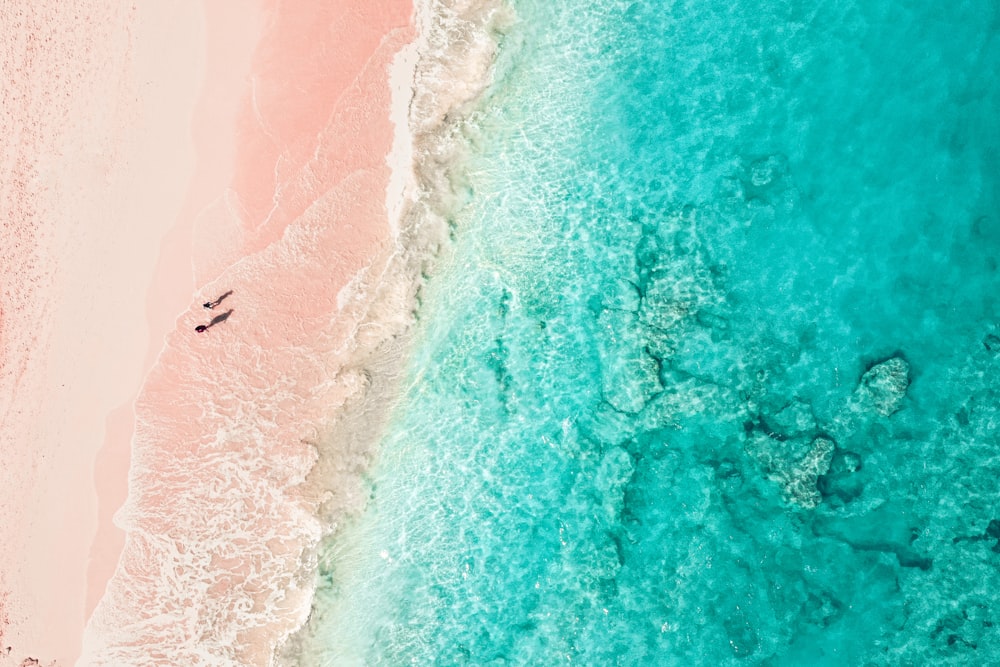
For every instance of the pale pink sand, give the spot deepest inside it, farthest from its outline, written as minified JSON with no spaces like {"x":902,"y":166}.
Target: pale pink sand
{"x":219,"y":35}
{"x":96,"y":160}
{"x":215,"y":568}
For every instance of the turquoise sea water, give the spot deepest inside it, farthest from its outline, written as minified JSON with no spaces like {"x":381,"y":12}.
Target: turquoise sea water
{"x":712,"y":376}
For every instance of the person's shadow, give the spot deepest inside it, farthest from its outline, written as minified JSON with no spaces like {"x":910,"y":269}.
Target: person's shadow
{"x":221,"y":317}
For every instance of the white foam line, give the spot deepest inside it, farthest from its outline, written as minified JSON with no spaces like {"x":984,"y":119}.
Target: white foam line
{"x":444,"y":70}
{"x":402,"y":183}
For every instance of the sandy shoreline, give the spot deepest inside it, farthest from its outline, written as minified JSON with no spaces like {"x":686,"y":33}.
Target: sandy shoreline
{"x":226,"y":502}
{"x":437,"y":81}
{"x":217,"y":38}
{"x":218,"y":521}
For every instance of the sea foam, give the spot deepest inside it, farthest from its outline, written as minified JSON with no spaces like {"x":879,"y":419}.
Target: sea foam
{"x":253,"y":440}
{"x":707,"y":377}
{"x":451,"y":64}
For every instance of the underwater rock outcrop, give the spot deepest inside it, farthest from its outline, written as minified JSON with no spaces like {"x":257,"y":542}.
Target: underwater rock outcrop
{"x":794,"y":465}
{"x":884,"y":385}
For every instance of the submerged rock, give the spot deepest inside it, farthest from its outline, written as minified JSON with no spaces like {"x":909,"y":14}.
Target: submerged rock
{"x":621,"y":294}
{"x":991,"y":534}
{"x":742,"y":636}
{"x":667,"y":301}
{"x":800,"y":483}
{"x":767,"y":170}
{"x":795,"y":465}
{"x":884,"y":386}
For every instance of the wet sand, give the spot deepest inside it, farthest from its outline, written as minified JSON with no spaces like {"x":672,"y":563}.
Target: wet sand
{"x":218,"y":39}
{"x":219,"y":524}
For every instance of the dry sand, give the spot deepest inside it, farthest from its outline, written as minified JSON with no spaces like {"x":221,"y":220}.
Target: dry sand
{"x":97,"y":168}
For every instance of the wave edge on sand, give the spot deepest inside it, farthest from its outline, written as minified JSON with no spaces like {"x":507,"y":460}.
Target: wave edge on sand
{"x":270,"y":428}
{"x":456,"y":44}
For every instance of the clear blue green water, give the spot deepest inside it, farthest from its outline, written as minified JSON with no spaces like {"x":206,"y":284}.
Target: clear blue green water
{"x":640,"y":426}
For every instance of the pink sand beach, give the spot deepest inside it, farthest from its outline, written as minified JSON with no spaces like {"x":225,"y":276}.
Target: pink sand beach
{"x":161,"y":157}
{"x":97,"y":110}
{"x":219,"y":523}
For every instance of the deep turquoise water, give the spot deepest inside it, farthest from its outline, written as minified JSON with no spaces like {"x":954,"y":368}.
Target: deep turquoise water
{"x":636,"y":430}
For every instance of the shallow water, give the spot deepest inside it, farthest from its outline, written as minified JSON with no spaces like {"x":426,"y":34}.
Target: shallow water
{"x":710,"y":375}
